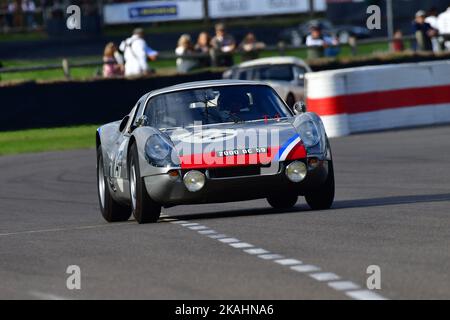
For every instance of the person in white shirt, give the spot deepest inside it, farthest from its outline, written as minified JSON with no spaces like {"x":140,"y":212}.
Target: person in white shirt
{"x":136,"y":53}
{"x":318,"y":43}
{"x":443,"y":22}
{"x":444,"y":27}
{"x":11,"y":11}
{"x":183,"y":50}
{"x":29,"y":10}
{"x":432,"y":20}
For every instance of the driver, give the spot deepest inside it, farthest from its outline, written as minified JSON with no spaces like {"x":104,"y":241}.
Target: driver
{"x":234,"y":103}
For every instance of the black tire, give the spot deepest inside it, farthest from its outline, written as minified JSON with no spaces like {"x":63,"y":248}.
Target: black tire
{"x":145,"y":210}
{"x":112,"y":211}
{"x":282,"y":201}
{"x":322,"y":198}
{"x":290,"y":101}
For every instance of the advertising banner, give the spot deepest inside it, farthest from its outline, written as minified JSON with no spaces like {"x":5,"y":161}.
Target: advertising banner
{"x":152,"y":11}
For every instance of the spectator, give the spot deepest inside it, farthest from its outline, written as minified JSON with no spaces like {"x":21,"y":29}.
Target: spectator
{"x":203,"y":46}
{"x":58,"y":9}
{"x":432,"y":20}
{"x":184,"y":49}
{"x":444,"y":27}
{"x":250,"y":48}
{"x":423,"y":31}
{"x":29,"y":10}
{"x":398,"y":44}
{"x":223,"y":46}
{"x":320,"y":45}
{"x":112,"y":61}
{"x":136,"y":52}
{"x":10,"y":12}
{"x":203,"y":43}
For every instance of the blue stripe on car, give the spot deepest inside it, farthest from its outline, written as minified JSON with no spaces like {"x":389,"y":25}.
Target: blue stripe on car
{"x":280,"y":152}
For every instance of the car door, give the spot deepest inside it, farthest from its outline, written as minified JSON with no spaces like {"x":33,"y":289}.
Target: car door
{"x":119,"y":172}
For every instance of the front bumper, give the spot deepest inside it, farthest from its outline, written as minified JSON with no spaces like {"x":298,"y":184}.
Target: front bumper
{"x":169,"y":191}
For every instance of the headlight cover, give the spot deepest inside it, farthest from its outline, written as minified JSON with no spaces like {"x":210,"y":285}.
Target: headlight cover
{"x":158,"y":151}
{"x":311,"y":130}
{"x":309,"y":133}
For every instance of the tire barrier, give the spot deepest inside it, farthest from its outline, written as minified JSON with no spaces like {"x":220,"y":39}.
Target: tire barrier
{"x":380,"y":97}
{"x":44,"y":105}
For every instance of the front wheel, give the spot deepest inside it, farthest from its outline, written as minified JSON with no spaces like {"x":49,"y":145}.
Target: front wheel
{"x":323,"y":197}
{"x":145,"y":210}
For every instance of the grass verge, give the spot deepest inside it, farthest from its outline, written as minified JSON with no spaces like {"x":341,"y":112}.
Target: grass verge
{"x":40,"y":140}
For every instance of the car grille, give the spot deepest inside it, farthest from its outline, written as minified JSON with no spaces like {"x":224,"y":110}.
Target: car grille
{"x":232,"y":172}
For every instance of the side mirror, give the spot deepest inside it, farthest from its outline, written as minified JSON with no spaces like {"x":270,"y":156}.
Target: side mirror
{"x":141,"y":121}
{"x":301,"y":79}
{"x":123,"y":123}
{"x":299,"y":107}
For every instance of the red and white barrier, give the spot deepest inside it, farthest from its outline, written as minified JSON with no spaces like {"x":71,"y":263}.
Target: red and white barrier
{"x":380,"y":97}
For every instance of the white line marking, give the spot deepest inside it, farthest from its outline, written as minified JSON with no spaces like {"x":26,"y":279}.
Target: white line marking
{"x":189,"y":224}
{"x":288,"y":262}
{"x":229,"y":240}
{"x":256,"y":251}
{"x":364,"y":295}
{"x":198,"y":228}
{"x":241,"y":245}
{"x":305,"y":268}
{"x":270,"y":256}
{"x":46,"y":296}
{"x":343,"y":285}
{"x":324,"y":276}
{"x":217,"y":236}
{"x":179,"y":221}
{"x":347,"y":287}
{"x":207,"y":231}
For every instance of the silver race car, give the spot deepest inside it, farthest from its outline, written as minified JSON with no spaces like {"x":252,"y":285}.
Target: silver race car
{"x":208,"y":142}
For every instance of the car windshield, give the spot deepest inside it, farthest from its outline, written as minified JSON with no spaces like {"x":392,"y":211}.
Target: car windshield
{"x":235,"y":103}
{"x":281,"y":72}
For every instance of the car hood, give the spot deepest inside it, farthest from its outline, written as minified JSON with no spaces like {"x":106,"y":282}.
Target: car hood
{"x":236,"y":143}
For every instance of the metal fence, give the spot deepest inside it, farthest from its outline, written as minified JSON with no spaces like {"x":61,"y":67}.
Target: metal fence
{"x":281,"y":49}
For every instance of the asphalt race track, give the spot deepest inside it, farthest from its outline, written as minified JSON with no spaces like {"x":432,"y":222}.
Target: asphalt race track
{"x":392,"y":209}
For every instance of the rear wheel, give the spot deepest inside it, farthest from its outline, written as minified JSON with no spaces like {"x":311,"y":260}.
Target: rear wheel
{"x":282,"y":201}
{"x":145,"y":210}
{"x":112,"y":211}
{"x":322,"y":198}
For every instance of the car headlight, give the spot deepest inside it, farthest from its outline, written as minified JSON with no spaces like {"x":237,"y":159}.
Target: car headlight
{"x":309,"y":133}
{"x":296,"y":171}
{"x":194,"y":180}
{"x":157,"y":150}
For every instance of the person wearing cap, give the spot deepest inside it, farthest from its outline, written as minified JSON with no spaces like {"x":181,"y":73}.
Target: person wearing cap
{"x":223,"y":46}
{"x":136,"y":53}
{"x":423,"y":31}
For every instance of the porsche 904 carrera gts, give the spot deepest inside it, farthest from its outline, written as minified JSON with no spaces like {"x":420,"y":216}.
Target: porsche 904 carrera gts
{"x":212,"y":142}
